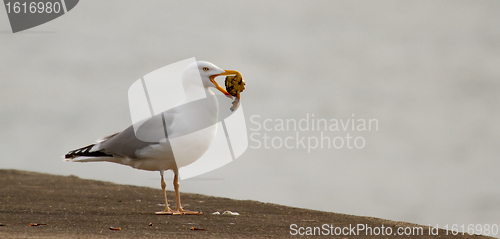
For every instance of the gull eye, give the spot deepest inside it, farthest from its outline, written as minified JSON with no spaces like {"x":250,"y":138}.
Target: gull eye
{"x":205,"y":69}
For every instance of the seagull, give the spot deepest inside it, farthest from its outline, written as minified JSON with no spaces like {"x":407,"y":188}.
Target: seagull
{"x":169,"y":140}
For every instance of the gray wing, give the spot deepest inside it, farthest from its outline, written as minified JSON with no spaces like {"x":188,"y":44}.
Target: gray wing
{"x":138,"y":136}
{"x":153,"y":130}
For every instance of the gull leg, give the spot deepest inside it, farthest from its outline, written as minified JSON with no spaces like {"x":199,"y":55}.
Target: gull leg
{"x":178,"y":199}
{"x":167,"y":211}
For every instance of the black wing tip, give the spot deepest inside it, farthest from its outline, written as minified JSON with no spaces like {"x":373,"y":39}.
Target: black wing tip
{"x":85,"y":151}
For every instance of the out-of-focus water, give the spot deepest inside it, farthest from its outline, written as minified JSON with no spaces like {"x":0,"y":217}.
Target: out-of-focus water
{"x":427,"y":71}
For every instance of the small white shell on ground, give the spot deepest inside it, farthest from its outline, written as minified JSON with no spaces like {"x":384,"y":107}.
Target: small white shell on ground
{"x":216,"y":213}
{"x":229,"y":213}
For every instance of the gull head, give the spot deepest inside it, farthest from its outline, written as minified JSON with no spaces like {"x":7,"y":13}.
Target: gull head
{"x":207,"y":71}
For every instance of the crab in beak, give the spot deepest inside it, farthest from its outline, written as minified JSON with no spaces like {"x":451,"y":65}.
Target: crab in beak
{"x":225,"y":73}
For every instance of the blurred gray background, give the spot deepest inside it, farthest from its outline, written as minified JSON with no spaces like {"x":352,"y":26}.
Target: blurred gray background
{"x":427,"y":70}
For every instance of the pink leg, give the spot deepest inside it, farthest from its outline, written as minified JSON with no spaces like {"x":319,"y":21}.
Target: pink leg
{"x":178,"y":199}
{"x":167,"y":211}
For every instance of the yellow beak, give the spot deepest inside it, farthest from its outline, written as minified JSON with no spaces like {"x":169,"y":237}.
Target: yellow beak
{"x":226,"y":72}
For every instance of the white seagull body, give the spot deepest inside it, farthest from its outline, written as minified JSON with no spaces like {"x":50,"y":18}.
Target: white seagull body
{"x":170,"y":140}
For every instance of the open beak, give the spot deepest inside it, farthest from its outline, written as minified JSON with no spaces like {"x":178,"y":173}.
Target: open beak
{"x":225,"y":73}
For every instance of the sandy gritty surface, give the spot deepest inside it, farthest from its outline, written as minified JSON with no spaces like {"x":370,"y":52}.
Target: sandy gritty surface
{"x":67,"y":206}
